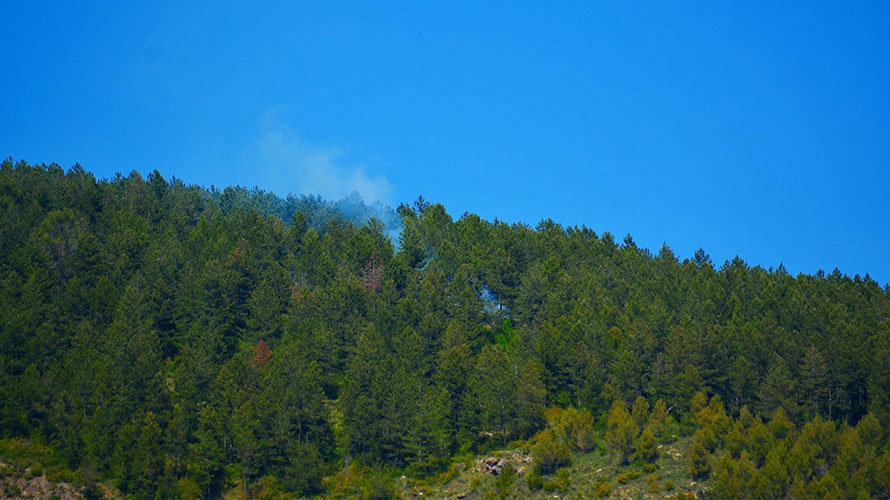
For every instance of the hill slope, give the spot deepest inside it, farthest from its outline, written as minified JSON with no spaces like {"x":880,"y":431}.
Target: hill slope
{"x":188,"y":342}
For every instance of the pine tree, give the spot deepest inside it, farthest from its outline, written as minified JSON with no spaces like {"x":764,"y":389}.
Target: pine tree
{"x":658,"y":418}
{"x":364,"y":388}
{"x":814,"y":447}
{"x":621,"y":431}
{"x":772,"y":480}
{"x":646,"y":446}
{"x":780,"y":426}
{"x":735,"y":440}
{"x":699,"y":458}
{"x":760,"y":441}
{"x":640,"y":412}
{"x":778,"y":389}
{"x":731,"y":478}
{"x":814,"y":381}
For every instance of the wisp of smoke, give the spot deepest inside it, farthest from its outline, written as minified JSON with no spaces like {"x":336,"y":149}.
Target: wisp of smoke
{"x":288,"y":163}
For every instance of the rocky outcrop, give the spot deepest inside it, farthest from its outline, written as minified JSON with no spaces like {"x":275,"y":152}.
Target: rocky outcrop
{"x":491,"y":465}
{"x":37,"y":487}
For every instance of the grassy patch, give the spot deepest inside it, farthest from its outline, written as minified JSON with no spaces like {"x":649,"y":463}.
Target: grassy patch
{"x":595,"y":474}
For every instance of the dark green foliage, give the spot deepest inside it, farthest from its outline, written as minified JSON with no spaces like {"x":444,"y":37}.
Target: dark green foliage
{"x":535,"y":481}
{"x":184,"y":341}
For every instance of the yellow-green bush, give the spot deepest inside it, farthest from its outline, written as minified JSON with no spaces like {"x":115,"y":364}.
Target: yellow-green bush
{"x":602,"y":489}
{"x":550,"y":453}
{"x":572,"y":426}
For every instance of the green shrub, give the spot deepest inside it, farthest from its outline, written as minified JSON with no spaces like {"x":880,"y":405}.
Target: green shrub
{"x":12,"y":490}
{"x":452,"y":472}
{"x":572,"y":426}
{"x":646,"y":446}
{"x":550,"y":453}
{"x":602,"y":488}
{"x":621,"y":431}
{"x":188,"y":489}
{"x":516,"y":444}
{"x":505,"y":480}
{"x":652,"y":481}
{"x":358,"y":481}
{"x":535,"y":481}
{"x":561,"y":482}
{"x":699,"y":466}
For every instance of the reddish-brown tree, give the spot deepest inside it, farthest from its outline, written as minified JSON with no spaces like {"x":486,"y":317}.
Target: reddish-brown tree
{"x":261,"y":354}
{"x":372,"y":276}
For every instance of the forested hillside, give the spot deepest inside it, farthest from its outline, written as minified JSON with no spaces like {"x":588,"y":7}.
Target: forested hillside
{"x":185,"y":342}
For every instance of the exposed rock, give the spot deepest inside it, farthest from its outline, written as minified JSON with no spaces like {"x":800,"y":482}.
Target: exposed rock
{"x":491,"y":465}
{"x":37,"y":487}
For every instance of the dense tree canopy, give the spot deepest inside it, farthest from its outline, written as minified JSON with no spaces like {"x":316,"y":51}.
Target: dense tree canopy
{"x":175,"y":338}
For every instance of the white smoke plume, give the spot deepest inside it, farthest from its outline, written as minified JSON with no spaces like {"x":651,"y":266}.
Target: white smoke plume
{"x":291,"y":165}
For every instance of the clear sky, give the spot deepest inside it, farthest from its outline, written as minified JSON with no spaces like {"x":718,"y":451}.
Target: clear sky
{"x":749,"y":128}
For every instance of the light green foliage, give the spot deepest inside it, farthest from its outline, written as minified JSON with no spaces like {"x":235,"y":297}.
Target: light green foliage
{"x":640,"y":412}
{"x":870,"y":432}
{"x":818,"y":461}
{"x":699,"y":458}
{"x":824,"y":487}
{"x":550,"y":452}
{"x":760,"y":441}
{"x":713,"y":422}
{"x":733,"y":478}
{"x":572,"y":426}
{"x":658,"y":418}
{"x":814,"y":447}
{"x":878,"y":475}
{"x":698,"y":403}
{"x":772,"y":480}
{"x":188,"y":489}
{"x":647,"y":446}
{"x":356,"y":481}
{"x":627,"y":476}
{"x":735,"y":440}
{"x":560,"y":482}
{"x":780,"y":426}
{"x":505,"y":480}
{"x":621,"y":431}
{"x":746,"y":419}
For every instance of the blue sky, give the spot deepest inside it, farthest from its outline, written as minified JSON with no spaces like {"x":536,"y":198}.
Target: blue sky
{"x":757,"y":129}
